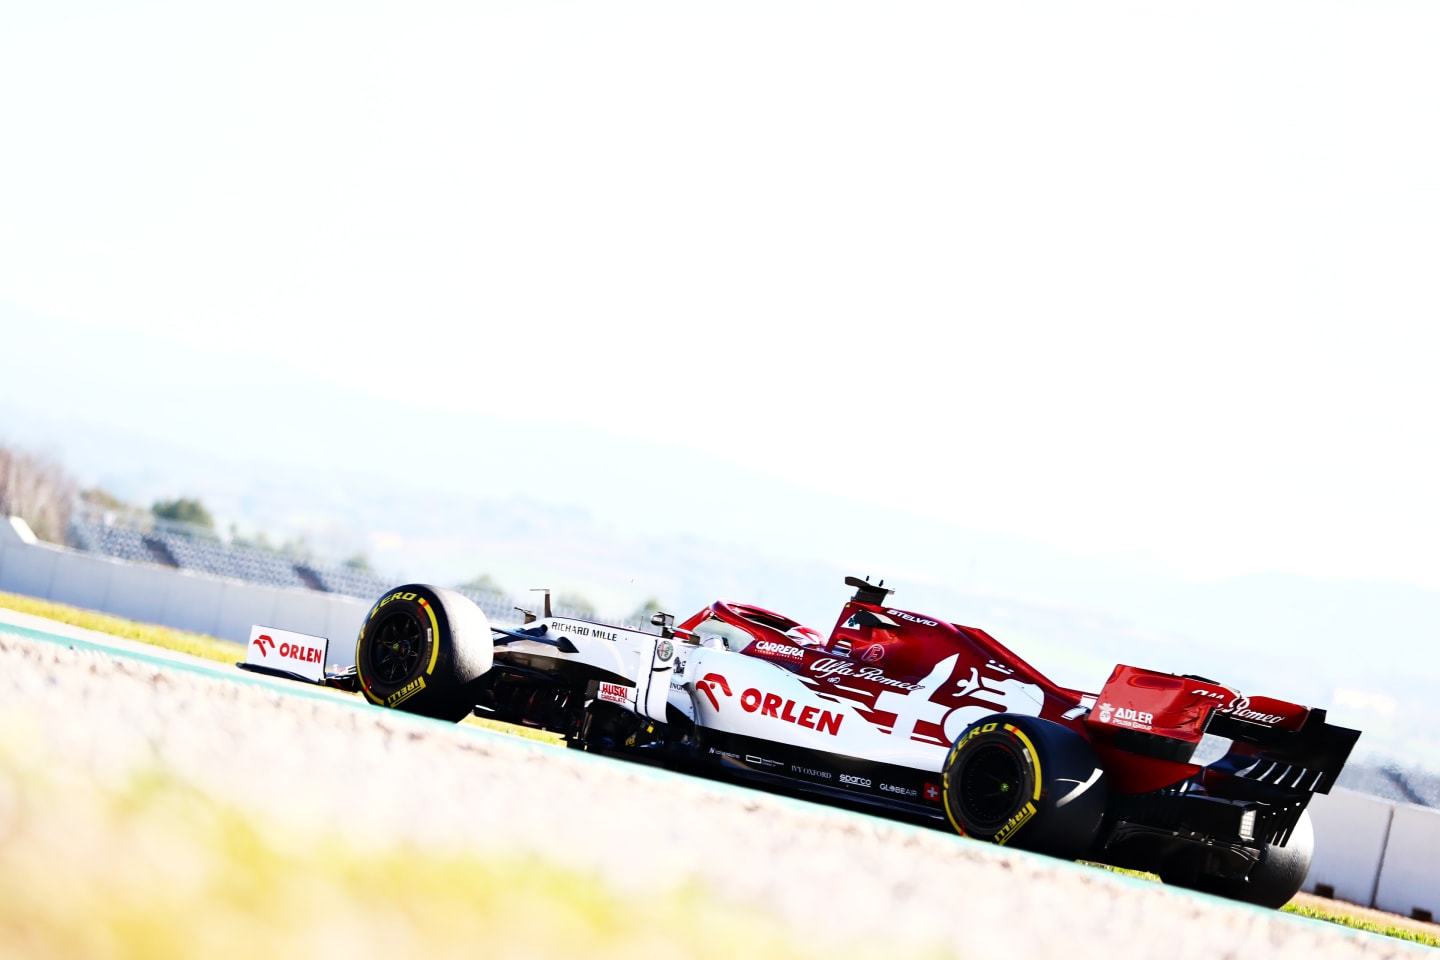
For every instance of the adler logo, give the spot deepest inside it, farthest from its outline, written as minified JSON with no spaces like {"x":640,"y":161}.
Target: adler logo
{"x":1124,"y":716}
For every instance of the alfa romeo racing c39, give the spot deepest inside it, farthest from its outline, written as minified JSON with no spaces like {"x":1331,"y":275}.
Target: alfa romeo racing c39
{"x":905,"y":714}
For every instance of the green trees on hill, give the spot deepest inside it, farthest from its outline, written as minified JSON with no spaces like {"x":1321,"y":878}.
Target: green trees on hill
{"x":184,"y":510}
{"x":484,"y":583}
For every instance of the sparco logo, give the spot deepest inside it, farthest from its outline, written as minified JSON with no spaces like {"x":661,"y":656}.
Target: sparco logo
{"x":781,"y":650}
{"x":1240,"y":710}
{"x":847,"y":779}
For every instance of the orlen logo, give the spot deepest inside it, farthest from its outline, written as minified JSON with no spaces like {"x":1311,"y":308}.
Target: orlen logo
{"x":289,"y":651}
{"x":708,"y":685}
{"x":771,"y":705}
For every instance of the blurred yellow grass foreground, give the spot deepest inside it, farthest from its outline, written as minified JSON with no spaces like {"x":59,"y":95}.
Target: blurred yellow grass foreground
{"x":151,"y":868}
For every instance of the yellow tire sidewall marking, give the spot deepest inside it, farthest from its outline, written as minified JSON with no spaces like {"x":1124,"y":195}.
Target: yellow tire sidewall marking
{"x":965,"y":741}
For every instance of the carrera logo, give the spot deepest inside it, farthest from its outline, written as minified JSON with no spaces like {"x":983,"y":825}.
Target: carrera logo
{"x":852,"y":781}
{"x":265,"y":643}
{"x":781,"y":650}
{"x":614,"y":692}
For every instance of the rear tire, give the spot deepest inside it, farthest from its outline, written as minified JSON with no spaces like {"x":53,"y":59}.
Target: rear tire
{"x":1273,"y":881}
{"x":1027,"y":783}
{"x":419,"y":650}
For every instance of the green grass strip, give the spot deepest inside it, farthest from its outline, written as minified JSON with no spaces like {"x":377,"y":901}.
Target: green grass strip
{"x":1340,"y":916}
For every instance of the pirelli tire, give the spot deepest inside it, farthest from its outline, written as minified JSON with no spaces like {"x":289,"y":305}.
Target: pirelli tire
{"x":1027,"y":783}
{"x":420,"y":649}
{"x":1274,"y":880}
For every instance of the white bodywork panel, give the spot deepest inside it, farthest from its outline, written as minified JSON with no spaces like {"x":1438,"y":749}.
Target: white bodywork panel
{"x":644,"y":661}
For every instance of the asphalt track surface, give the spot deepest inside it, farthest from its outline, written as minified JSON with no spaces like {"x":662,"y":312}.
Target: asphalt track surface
{"x":298,"y":757}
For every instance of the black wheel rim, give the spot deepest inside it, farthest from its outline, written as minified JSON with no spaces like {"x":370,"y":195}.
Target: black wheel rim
{"x":992,"y":784}
{"x":395,"y":648}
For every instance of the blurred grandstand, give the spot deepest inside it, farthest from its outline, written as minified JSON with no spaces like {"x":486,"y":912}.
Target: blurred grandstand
{"x":143,"y":538}
{"x":1390,"y":781}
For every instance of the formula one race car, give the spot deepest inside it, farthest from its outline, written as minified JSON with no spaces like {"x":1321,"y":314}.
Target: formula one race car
{"x":905,"y":714}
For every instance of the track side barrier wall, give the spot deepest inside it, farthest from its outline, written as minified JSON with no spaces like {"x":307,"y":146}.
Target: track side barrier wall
{"x":183,"y":599}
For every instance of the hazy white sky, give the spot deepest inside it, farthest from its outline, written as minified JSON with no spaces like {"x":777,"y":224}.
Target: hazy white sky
{"x":1154,"y":278}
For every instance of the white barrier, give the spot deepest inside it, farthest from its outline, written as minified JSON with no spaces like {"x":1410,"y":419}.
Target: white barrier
{"x":1367,"y":850}
{"x":1410,"y":874}
{"x":183,"y":599}
{"x":1351,"y":831}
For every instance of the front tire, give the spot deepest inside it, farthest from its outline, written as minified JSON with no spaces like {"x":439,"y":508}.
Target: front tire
{"x":1027,"y":783}
{"x":420,"y":648}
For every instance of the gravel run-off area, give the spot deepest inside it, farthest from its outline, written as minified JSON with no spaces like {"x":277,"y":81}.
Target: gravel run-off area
{"x":304,"y":762}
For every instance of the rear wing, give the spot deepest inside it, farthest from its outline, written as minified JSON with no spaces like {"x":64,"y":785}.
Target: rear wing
{"x":1263,"y":761}
{"x":1280,"y":751}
